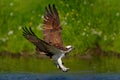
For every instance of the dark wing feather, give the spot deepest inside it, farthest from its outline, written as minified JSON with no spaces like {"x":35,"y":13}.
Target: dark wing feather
{"x":30,"y":36}
{"x":40,"y":44}
{"x":52,"y":31}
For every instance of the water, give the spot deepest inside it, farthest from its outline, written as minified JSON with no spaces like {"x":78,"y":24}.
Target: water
{"x":28,"y":76}
{"x":31,"y":68}
{"x":45,"y":65}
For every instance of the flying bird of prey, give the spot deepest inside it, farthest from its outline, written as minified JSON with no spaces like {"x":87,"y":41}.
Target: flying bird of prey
{"x":52,"y":43}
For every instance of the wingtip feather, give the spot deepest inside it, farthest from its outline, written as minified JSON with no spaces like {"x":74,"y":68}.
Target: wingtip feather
{"x":27,"y":31}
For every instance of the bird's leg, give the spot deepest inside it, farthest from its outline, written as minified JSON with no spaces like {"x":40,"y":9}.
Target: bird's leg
{"x":62,"y":66}
{"x":56,"y":63}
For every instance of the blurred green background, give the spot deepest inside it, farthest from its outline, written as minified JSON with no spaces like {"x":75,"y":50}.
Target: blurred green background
{"x":91,"y":26}
{"x":86,"y":23}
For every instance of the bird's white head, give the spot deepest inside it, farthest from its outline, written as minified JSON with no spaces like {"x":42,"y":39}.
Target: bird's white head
{"x":69,"y":48}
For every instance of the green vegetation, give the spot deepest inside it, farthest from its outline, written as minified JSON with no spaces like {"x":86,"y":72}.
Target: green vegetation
{"x":88,"y":25}
{"x":85,"y":23}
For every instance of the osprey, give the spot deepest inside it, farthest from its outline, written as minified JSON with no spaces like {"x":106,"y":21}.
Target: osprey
{"x":52,"y":44}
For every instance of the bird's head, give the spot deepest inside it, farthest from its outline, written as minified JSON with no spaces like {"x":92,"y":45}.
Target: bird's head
{"x":69,"y":48}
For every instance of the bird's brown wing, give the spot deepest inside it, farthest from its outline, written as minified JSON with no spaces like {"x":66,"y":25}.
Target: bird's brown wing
{"x":40,"y":44}
{"x":30,"y":36}
{"x":52,"y":30}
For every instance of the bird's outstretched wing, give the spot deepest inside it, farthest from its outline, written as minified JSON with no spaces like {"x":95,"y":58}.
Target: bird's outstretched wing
{"x":52,"y":30}
{"x":40,"y":44}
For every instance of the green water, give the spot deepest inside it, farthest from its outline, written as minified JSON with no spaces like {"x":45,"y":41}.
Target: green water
{"x":95,"y":64}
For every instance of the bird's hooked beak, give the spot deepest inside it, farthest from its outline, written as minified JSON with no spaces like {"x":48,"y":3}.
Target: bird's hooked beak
{"x":73,"y":47}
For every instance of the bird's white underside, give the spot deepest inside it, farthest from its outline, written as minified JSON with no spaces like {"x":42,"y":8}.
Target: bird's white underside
{"x":57,"y":58}
{"x":58,"y":55}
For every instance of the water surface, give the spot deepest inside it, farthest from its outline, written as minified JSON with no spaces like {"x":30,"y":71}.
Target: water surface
{"x":32,"y":68}
{"x":28,"y":76}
